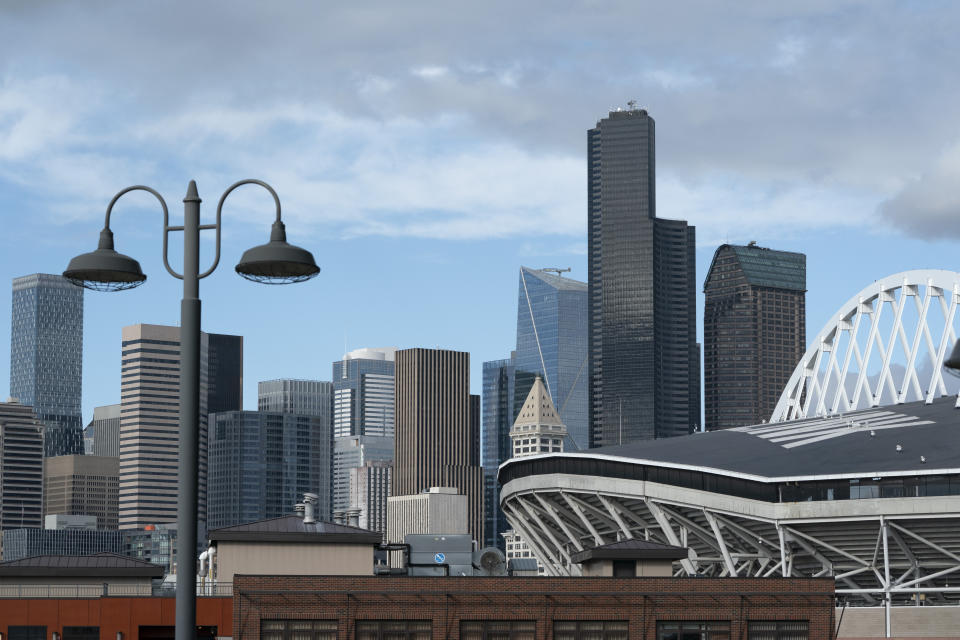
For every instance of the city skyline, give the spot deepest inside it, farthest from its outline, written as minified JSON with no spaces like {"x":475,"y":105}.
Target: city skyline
{"x":445,"y":168}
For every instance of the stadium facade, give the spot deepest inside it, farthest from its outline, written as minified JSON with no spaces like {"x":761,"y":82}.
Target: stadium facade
{"x":870,"y":497}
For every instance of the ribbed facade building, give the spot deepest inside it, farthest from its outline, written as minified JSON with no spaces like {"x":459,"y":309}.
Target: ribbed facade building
{"x":150,"y":410}
{"x":438,"y":428}
{"x":103,"y":431}
{"x":304,"y":397}
{"x":82,"y":485}
{"x":46,"y":356}
{"x":644,"y":357}
{"x":262,"y":462}
{"x":754,"y":331}
{"x":21,"y":467}
{"x":552,"y":321}
{"x":363,"y":416}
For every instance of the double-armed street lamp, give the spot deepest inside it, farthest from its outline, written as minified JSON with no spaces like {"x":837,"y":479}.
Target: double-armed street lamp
{"x":276,"y":262}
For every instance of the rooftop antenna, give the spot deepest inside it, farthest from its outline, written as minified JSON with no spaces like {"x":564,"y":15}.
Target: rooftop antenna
{"x":557,"y":270}
{"x":632,"y":104}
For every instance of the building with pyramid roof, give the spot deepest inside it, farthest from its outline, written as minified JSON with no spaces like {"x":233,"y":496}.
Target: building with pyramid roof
{"x":538,"y":428}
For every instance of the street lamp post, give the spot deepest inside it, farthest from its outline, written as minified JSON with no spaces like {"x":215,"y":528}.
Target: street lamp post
{"x":106,"y":270}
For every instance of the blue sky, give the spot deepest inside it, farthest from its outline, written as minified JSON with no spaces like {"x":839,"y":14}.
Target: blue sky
{"x":424,"y":153}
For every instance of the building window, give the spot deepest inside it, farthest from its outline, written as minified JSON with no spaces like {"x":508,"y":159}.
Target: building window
{"x":590,"y":630}
{"x":298,"y":629}
{"x":778,"y":630}
{"x":27,"y":633}
{"x":498,"y":630}
{"x":393,"y":630}
{"x":714,"y":630}
{"x":81,"y":633}
{"x":624,"y":569}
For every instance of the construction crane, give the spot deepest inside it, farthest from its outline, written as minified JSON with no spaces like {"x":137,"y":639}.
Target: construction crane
{"x":557,"y":271}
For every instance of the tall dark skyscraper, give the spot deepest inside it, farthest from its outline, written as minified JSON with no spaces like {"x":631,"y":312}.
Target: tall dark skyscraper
{"x":644,"y":357}
{"x":552,"y":341}
{"x":46,"y":357}
{"x":438,"y":428}
{"x":754,"y":331}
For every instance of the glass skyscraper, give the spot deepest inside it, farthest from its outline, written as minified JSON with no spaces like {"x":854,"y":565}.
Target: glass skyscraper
{"x":498,"y":415}
{"x":363,"y":415}
{"x":46,"y":357}
{"x":262,"y":462}
{"x":552,"y":326}
{"x":644,"y":358}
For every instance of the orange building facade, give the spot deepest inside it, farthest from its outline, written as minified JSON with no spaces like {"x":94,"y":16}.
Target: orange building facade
{"x":137,"y":618}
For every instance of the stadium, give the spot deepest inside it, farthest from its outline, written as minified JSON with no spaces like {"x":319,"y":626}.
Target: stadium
{"x":857,"y":476}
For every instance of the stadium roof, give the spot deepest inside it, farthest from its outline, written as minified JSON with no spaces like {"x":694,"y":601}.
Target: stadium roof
{"x":294,"y":529}
{"x":907,"y":439}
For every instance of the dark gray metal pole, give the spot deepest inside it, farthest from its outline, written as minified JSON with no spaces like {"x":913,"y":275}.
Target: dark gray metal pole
{"x":186,"y":602}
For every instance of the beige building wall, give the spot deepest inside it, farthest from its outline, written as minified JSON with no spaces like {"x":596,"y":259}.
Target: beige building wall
{"x":287,"y":558}
{"x":645,"y":569}
{"x":82,"y":485}
{"x":439,"y":510}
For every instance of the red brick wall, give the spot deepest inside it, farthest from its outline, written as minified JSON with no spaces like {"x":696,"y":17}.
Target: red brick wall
{"x":447,"y":600}
{"x":110,"y":614}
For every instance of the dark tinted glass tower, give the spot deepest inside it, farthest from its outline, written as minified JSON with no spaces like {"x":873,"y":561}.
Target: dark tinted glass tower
{"x":754,"y":331}
{"x":46,"y":357}
{"x":552,"y":341}
{"x":498,"y":392}
{"x":644,"y":358}
{"x":262,"y":462}
{"x":438,"y":428}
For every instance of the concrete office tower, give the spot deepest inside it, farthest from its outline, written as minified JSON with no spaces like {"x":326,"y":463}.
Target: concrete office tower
{"x":552,"y":323}
{"x":46,"y":357}
{"x":754,"y":331}
{"x":438,"y":430}
{"x":363,"y":415}
{"x":304,"y":397}
{"x":262,"y":462}
{"x":150,"y":410}
{"x":644,"y":357}
{"x":104,"y":431}
{"x":21,"y":467}
{"x":82,"y":486}
{"x":369,"y":491}
{"x":441,"y":510}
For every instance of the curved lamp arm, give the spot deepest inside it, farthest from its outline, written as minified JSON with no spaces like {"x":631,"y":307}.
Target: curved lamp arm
{"x":166,"y":220}
{"x":216,"y":259}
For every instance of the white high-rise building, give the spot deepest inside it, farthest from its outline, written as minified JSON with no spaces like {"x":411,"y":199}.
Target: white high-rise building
{"x":363,"y":415}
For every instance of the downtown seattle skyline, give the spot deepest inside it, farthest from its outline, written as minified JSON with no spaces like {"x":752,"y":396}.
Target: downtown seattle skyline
{"x":424,"y":169}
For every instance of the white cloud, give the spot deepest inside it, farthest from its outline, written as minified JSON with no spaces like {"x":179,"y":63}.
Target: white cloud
{"x":430,"y":72}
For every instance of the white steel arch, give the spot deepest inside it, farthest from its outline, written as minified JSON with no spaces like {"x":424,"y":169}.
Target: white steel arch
{"x":879,"y":348}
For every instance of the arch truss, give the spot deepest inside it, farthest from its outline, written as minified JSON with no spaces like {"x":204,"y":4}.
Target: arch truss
{"x":876,"y":559}
{"x":886,"y":345}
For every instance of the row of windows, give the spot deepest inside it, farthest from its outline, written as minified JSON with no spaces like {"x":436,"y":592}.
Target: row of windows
{"x":841,"y":489}
{"x":527,"y":630}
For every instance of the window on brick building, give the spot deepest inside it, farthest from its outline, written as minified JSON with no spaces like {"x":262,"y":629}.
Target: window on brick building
{"x":778,"y":630}
{"x":393,"y":630}
{"x":27,"y":632}
{"x":590,"y":630}
{"x":498,"y":630}
{"x":693,"y":630}
{"x":298,"y":630}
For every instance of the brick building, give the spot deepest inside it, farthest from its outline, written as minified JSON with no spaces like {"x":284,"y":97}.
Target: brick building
{"x":536,"y":608}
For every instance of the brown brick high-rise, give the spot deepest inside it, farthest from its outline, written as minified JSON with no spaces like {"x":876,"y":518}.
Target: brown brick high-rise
{"x":437,"y":440}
